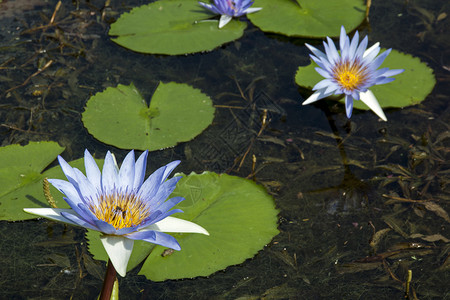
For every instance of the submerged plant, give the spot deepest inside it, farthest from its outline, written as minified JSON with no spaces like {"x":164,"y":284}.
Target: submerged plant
{"x":230,"y":8}
{"x":120,"y":204}
{"x":351,"y":72}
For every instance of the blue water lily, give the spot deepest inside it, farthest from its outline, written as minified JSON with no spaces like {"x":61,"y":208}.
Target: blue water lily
{"x":230,"y":8}
{"x":351,"y":72}
{"x":120,"y":204}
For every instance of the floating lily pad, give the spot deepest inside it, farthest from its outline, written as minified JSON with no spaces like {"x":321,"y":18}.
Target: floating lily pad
{"x":239,"y":215}
{"x":119,"y":116}
{"x":409,"y":88}
{"x":172,"y":27}
{"x":21,"y":178}
{"x":308,"y":18}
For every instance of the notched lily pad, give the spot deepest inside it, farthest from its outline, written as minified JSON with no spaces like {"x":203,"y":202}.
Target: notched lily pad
{"x":308,"y":18}
{"x":172,"y":27}
{"x":409,"y":88}
{"x":21,"y":178}
{"x":119,"y":116}
{"x":239,"y":215}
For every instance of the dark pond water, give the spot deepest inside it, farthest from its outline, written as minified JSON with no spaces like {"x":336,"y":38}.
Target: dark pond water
{"x":323,"y":170}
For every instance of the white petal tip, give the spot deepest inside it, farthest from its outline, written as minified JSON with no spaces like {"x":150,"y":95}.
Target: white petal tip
{"x":172,"y":224}
{"x":224,"y":20}
{"x":119,"y":251}
{"x":253,"y":9}
{"x":50,"y":213}
{"x":203,"y":231}
{"x":313,"y":98}
{"x":371,"y":101}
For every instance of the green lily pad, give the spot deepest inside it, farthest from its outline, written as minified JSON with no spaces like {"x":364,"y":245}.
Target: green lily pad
{"x":119,"y":116}
{"x":239,"y":215}
{"x":172,"y":27}
{"x":308,"y":18}
{"x":409,"y":88}
{"x":21,"y":178}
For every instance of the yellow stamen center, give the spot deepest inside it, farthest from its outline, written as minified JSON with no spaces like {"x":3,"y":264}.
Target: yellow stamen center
{"x":121,"y":210}
{"x":349,"y":76}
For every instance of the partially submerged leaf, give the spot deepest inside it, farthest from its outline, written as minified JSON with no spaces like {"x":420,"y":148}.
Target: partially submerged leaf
{"x":355,"y":267}
{"x":437,"y":209}
{"x":59,"y":259}
{"x":377,"y":237}
{"x":395,"y":224}
{"x":93,"y":267}
{"x":280,"y":292}
{"x":431,"y":238}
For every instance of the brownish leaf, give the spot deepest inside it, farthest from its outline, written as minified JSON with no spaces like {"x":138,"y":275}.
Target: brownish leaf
{"x":437,"y":209}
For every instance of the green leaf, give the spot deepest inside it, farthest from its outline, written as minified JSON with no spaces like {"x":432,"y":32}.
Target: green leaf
{"x":409,"y":88}
{"x":239,"y":215}
{"x":21,"y":178}
{"x":308,"y":18}
{"x":172,"y":27}
{"x":120,"y":117}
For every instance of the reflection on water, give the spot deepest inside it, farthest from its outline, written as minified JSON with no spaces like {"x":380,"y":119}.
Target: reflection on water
{"x":362,"y":202}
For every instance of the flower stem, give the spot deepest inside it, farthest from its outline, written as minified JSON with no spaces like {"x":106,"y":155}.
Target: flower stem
{"x":108,"y":282}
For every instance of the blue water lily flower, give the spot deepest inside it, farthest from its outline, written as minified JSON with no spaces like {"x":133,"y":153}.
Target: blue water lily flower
{"x":230,"y":8}
{"x":351,"y":72}
{"x":120,"y":204}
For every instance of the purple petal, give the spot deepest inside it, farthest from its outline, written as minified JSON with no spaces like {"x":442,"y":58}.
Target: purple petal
{"x":169,"y":204}
{"x":210,"y":7}
{"x":323,"y":73}
{"x":331,"y":88}
{"x":67,"y":169}
{"x":348,"y":105}
{"x":86,"y":189}
{"x":353,"y":46}
{"x":165,"y":215}
{"x":331,"y":51}
{"x":109,"y":174}
{"x":67,"y":189}
{"x":361,"y":48}
{"x":72,"y":196}
{"x":368,"y":58}
{"x":164,"y":191}
{"x":150,"y":186}
{"x":126,"y":230}
{"x":316,"y":52}
{"x":105,"y":227}
{"x":87,"y":214}
{"x":169,"y":168}
{"x":384,"y":80}
{"x":155,"y":237}
{"x":323,"y":84}
{"x":393,"y":72}
{"x":92,"y":171}
{"x":126,"y":173}
{"x":342,"y":38}
{"x":80,"y":222}
{"x":139,"y":170}
{"x":379,"y":60}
